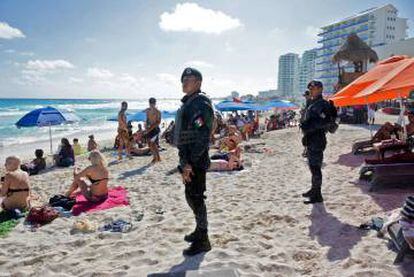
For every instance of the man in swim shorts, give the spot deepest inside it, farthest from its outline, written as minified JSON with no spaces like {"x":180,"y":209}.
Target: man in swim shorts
{"x":153,"y":129}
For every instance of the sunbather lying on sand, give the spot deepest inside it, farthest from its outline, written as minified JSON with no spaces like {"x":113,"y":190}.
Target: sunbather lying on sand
{"x":92,"y":182}
{"x":15,"y":187}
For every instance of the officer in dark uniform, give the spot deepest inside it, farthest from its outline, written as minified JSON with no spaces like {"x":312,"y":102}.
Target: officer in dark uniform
{"x":315,"y":125}
{"x":194,"y":122}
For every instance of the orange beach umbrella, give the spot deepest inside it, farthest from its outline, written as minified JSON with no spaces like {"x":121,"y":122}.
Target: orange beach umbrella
{"x":389,"y":79}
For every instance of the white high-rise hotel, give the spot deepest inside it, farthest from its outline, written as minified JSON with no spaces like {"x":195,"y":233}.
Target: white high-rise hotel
{"x":377,"y":26}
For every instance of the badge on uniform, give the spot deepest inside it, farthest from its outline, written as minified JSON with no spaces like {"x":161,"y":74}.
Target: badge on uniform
{"x":199,"y":122}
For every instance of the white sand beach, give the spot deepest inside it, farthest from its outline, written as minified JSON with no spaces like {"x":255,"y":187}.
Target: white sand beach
{"x":258,"y":223}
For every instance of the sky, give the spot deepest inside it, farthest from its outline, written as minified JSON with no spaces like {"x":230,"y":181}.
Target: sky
{"x":131,"y":49}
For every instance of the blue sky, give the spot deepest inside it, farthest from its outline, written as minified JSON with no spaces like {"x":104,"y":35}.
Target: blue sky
{"x":134,"y":49}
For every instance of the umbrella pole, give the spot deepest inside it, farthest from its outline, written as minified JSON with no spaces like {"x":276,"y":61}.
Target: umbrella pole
{"x":369,"y":123}
{"x":50,"y":139}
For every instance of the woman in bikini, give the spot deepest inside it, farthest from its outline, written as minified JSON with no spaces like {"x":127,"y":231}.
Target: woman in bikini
{"x":15,"y":187}
{"x":92,"y":182}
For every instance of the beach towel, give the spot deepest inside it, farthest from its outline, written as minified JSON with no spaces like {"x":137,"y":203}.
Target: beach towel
{"x":116,"y":197}
{"x":8,"y":220}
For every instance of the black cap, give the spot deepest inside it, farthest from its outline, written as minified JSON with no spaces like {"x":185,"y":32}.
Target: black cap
{"x":152,"y":100}
{"x":91,"y":136}
{"x":191,"y":72}
{"x":315,"y":84}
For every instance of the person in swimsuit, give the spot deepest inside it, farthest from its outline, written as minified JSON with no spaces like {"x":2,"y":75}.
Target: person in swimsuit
{"x":123,"y":134}
{"x":96,"y":175}
{"x":15,"y":187}
{"x":153,"y":129}
{"x":92,"y":144}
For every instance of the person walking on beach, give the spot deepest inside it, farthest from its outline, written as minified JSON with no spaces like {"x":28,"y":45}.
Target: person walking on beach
{"x":315,"y":125}
{"x":123,"y":135}
{"x":194,"y":122}
{"x":153,"y":129}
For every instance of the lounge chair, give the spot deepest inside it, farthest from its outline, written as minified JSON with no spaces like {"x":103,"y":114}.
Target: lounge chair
{"x":397,"y":238}
{"x":359,"y":146}
{"x":386,"y":175}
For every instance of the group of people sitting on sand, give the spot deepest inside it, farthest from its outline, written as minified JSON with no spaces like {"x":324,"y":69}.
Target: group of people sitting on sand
{"x":281,"y":120}
{"x":91,"y":182}
{"x":247,"y":124}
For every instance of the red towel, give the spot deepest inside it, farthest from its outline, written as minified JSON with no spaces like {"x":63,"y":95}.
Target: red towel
{"x":116,"y":197}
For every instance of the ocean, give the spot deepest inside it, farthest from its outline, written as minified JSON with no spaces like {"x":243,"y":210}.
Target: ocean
{"x":94,"y":114}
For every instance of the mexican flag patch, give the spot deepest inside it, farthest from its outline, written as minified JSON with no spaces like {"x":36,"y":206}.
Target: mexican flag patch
{"x":199,"y":122}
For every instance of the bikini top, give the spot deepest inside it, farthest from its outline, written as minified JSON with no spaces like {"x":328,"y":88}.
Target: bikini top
{"x":93,"y":181}
{"x":11,"y":191}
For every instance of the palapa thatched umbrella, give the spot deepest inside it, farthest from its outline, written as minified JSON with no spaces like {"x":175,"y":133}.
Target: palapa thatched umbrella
{"x":355,"y":50}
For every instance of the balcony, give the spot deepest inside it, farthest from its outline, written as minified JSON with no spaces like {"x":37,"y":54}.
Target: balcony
{"x":366,"y":28}
{"x":343,"y":26}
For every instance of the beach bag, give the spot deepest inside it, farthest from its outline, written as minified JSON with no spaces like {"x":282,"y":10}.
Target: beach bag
{"x":42,"y":215}
{"x":62,"y":201}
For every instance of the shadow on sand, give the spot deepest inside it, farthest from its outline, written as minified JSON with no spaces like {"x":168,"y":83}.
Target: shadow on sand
{"x":131,"y":173}
{"x":189,"y":263}
{"x":350,"y":160}
{"x":331,"y":232}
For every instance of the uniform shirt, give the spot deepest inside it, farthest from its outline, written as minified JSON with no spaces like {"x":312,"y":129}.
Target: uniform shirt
{"x":315,"y":122}
{"x":193,"y":128}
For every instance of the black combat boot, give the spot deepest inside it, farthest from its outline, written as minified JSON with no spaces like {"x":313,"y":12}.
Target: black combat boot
{"x":192,"y":236}
{"x":315,"y":197}
{"x":309,"y":193}
{"x":199,"y":245}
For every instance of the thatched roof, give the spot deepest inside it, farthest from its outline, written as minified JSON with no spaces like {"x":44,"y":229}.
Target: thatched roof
{"x":355,"y":50}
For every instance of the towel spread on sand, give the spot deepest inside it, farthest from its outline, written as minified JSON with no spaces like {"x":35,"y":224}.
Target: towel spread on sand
{"x":116,"y":197}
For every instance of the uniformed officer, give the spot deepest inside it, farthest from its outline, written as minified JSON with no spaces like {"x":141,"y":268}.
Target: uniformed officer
{"x":315,"y":125}
{"x":194,"y":122}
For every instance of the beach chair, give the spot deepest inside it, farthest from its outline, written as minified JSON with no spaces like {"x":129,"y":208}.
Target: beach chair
{"x":397,"y":238}
{"x":359,"y":146}
{"x":388,"y":175}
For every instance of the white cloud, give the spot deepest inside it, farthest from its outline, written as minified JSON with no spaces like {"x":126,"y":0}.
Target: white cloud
{"x":312,"y":32}
{"x":99,"y":73}
{"x":8,"y":32}
{"x":198,"y":64}
{"x":228,"y":47}
{"x":168,"y":79}
{"x":75,"y":80}
{"x":48,"y":65}
{"x":9,"y":51}
{"x":194,"y":18}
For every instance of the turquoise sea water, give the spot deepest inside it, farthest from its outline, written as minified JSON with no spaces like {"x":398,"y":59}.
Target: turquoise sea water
{"x":94,"y":115}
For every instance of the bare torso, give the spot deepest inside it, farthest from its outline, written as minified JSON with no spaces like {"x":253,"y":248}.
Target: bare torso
{"x":122,"y":124}
{"x":153,"y":118}
{"x":17,"y":180}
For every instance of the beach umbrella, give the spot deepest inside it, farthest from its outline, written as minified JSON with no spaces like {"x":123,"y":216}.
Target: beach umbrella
{"x":47,"y":116}
{"x":230,"y":106}
{"x":389,"y":79}
{"x":281,"y":104}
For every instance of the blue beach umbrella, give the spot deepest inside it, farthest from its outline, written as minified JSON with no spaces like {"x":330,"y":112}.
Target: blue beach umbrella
{"x":281,"y":104}
{"x":230,"y":106}
{"x":47,"y":116}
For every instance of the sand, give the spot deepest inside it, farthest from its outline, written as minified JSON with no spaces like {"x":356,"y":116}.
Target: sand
{"x":258,"y":223}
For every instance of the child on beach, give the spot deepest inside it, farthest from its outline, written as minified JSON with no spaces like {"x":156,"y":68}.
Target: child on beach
{"x":92,"y":144}
{"x":15,"y":188}
{"x":77,"y":148}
